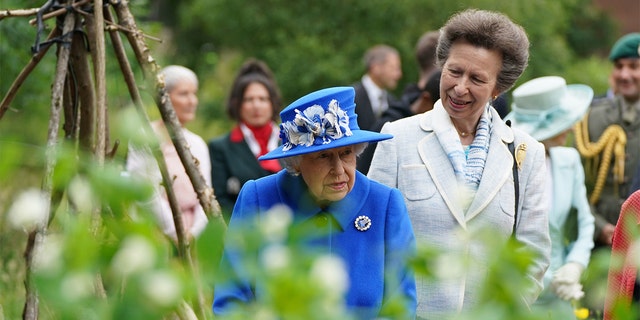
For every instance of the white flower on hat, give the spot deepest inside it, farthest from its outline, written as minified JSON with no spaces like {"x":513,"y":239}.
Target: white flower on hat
{"x":337,"y":121}
{"x":311,"y":118}
{"x":313,"y":123}
{"x":31,"y":209}
{"x":305,"y":126}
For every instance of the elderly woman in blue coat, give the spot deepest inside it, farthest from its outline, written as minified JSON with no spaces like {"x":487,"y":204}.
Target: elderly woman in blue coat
{"x":547,"y":108}
{"x":363,"y":223}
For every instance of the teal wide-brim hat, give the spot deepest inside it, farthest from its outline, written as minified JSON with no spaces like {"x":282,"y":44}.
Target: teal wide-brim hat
{"x":545,"y":107}
{"x":324,"y":119}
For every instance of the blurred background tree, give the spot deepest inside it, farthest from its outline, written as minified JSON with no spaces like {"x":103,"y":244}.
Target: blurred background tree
{"x":314,"y":44}
{"x":308,"y":44}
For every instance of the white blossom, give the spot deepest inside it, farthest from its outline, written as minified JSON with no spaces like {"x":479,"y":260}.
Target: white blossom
{"x":275,"y":257}
{"x":48,"y":254}
{"x":450,"y":265}
{"x":162,"y":288}
{"x":331,"y":272}
{"x":276,"y":222}
{"x":265,"y":313}
{"x":136,"y":254}
{"x":29,"y":210}
{"x":80,"y":194}
{"x":77,"y":286}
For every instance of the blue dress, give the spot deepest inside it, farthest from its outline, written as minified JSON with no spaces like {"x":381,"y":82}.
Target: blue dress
{"x":375,"y":259}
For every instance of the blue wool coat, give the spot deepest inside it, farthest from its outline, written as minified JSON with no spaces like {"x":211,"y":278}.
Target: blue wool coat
{"x":369,"y":256}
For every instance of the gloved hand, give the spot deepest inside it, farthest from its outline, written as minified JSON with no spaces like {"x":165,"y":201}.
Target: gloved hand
{"x":566,"y":281}
{"x":568,"y":291}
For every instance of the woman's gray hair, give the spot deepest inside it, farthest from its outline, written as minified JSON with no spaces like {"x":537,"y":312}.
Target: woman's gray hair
{"x":175,"y":74}
{"x":292,"y":163}
{"x":490,"y":30}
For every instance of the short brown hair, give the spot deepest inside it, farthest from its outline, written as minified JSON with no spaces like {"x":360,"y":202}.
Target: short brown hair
{"x":493,"y":31}
{"x":378,"y":54}
{"x":426,"y":50}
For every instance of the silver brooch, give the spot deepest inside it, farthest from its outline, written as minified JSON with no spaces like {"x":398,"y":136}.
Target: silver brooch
{"x":363,"y":223}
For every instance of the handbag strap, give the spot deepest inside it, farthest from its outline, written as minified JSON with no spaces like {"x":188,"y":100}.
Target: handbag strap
{"x":516,"y":183}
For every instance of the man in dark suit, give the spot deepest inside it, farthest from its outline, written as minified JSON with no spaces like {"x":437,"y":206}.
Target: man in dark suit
{"x":422,"y":102}
{"x":384,"y":69}
{"x":416,"y":97}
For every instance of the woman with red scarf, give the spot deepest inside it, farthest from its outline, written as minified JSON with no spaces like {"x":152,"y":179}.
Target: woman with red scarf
{"x":254,"y":102}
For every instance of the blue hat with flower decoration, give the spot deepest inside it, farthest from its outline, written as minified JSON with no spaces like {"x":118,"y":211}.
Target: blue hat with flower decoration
{"x":324,"y":119}
{"x":545,"y":107}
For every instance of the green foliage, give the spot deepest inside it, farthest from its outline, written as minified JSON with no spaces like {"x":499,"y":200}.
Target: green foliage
{"x":307,"y":45}
{"x":592,"y":32}
{"x":29,"y":109}
{"x":310,"y":45}
{"x":123,"y":249}
{"x":142,"y":276}
{"x":18,"y":170}
{"x":591,"y":68}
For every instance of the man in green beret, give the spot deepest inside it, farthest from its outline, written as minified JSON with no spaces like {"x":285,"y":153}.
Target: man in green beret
{"x":623,"y":109}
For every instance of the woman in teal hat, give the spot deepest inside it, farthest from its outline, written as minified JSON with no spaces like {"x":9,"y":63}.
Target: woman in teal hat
{"x":547,"y":108}
{"x":340,"y":212}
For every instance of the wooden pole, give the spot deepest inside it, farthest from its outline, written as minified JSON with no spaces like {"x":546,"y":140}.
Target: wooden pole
{"x":30,"y":311}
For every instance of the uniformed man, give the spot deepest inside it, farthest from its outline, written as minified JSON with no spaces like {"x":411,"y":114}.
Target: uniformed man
{"x":605,"y":115}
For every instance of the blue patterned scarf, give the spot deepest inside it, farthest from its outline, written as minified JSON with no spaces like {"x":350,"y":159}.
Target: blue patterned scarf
{"x":478,"y":151}
{"x":468,"y":168}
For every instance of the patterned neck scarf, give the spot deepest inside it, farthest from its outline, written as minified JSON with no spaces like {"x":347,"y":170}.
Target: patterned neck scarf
{"x":478,"y":151}
{"x":468,"y":168}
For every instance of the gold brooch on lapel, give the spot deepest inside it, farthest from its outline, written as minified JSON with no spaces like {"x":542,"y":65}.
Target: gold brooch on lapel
{"x":521,"y":153}
{"x":363,"y":223}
